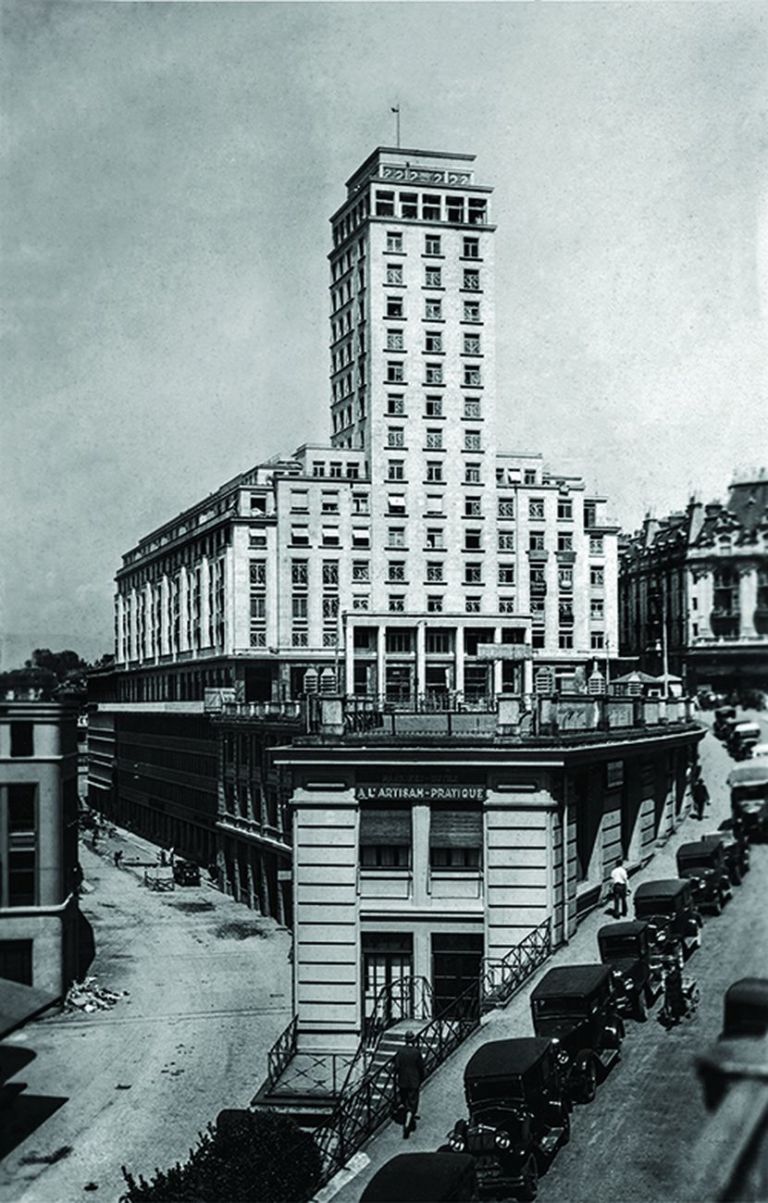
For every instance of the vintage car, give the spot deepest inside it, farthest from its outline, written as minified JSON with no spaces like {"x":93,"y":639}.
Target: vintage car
{"x":739,"y":1054}
{"x":742,"y":739}
{"x":704,"y":866}
{"x":575,"y":1006}
{"x":749,"y":797}
{"x":735,"y":852}
{"x":759,"y":751}
{"x":745,"y":1008}
{"x":519,"y":1114}
{"x":424,"y":1178}
{"x":186,"y":873}
{"x":725,"y":717}
{"x":637,"y":972}
{"x":674,"y":921}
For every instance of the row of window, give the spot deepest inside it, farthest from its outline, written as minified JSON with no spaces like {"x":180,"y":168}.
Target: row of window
{"x":433,"y":245}
{"x":471,"y":376}
{"x":394,"y":276}
{"x":433,"y":342}
{"x":336,"y":469}
{"x":457,"y":210}
{"x":433,"y":406}
{"x":433,"y":439}
{"x":433,"y":310}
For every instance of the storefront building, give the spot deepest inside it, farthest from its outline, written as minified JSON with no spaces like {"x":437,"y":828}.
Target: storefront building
{"x":419,"y":854}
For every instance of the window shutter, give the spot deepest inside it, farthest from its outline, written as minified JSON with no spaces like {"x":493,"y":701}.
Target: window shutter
{"x":386,"y":827}
{"x":456,"y":829}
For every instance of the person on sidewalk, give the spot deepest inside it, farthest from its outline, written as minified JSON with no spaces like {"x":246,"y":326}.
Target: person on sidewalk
{"x":118,"y":858}
{"x":409,"y":1073}
{"x":700,"y":796}
{"x":619,"y":889}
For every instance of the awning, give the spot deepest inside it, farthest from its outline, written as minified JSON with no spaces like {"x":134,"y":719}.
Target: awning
{"x":19,"y":1004}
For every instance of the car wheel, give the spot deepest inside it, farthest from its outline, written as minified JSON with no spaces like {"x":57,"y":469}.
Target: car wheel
{"x":566,"y":1125}
{"x":589,"y":1088}
{"x":530,"y":1184}
{"x":641,"y":1006}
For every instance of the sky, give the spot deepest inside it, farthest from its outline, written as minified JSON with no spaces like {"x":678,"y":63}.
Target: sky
{"x":167,"y":171}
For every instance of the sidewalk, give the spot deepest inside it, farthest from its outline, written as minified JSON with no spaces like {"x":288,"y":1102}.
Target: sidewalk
{"x":442,"y":1101}
{"x":208,"y":990}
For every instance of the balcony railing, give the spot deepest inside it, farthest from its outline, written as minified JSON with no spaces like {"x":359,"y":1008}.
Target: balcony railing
{"x":507,"y":715}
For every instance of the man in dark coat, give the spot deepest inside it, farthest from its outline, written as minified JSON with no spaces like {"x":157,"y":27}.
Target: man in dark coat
{"x":700,"y":796}
{"x":409,"y":1074}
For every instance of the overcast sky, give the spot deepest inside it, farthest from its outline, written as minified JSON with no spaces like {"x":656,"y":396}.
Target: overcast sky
{"x":167,"y":176}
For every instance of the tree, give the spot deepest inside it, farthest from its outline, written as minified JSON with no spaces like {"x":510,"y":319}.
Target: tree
{"x":253,"y":1157}
{"x":62,"y":664}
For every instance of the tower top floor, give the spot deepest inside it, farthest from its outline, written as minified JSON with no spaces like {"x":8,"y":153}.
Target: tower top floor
{"x":417,"y":166}
{"x":413,"y":185}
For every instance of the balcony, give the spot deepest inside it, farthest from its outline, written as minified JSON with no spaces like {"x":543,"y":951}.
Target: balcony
{"x":512,"y":718}
{"x":538,"y":555}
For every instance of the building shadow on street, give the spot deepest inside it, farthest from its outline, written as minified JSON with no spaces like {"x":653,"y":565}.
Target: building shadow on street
{"x":21,"y":1114}
{"x":86,"y":946}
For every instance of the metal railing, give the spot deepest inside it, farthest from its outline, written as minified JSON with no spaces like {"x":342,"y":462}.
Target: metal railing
{"x":503,"y":976}
{"x":364,"y":1106}
{"x":446,"y":715}
{"x":368,"y":1104}
{"x":405,"y":998}
{"x":322,"y":1075}
{"x":281,"y":1052}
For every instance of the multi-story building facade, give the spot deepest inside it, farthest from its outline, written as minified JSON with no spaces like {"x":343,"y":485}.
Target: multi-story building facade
{"x":696,"y":584}
{"x":408,"y":561}
{"x":427,"y":846}
{"x":38,"y":844}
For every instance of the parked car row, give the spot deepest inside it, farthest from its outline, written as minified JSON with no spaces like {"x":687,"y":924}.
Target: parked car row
{"x":520,"y":1093}
{"x":743,"y":737}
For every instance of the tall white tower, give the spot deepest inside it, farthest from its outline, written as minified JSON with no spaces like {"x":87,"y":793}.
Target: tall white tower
{"x":413,"y":371}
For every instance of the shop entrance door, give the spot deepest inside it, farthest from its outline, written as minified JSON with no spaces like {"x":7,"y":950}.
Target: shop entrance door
{"x":387,"y":963}
{"x":456,"y":966}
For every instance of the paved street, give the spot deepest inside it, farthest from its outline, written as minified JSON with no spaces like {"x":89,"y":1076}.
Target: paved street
{"x":632,"y":1142}
{"x":209,"y":992}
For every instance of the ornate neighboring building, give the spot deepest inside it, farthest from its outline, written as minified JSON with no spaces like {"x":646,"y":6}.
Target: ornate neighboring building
{"x":697,"y":581}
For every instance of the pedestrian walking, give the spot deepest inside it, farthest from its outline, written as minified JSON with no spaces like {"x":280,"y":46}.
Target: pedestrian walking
{"x":117,"y":856}
{"x":619,"y":889}
{"x":700,"y":796}
{"x":409,"y":1073}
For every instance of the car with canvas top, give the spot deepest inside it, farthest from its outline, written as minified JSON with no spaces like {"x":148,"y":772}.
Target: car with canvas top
{"x":675,"y":922}
{"x":426,"y":1177}
{"x":575,"y":1006}
{"x":637,"y":972}
{"x":703,"y":864}
{"x":519,"y":1114}
{"x":748,"y":784}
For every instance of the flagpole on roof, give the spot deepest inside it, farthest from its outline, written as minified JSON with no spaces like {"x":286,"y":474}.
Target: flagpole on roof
{"x":396,"y":111}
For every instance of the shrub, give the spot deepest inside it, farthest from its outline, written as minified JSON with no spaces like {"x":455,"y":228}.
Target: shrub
{"x":260,"y":1157}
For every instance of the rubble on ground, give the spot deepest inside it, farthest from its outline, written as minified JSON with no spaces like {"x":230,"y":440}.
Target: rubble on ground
{"x":89,"y":996}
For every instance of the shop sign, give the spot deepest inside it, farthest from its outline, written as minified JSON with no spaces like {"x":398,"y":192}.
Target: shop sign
{"x":421,"y":793}
{"x":504,"y":651}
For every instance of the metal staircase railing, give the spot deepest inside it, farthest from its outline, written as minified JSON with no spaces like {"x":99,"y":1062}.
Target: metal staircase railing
{"x":502,"y":976}
{"x":366,"y":1103}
